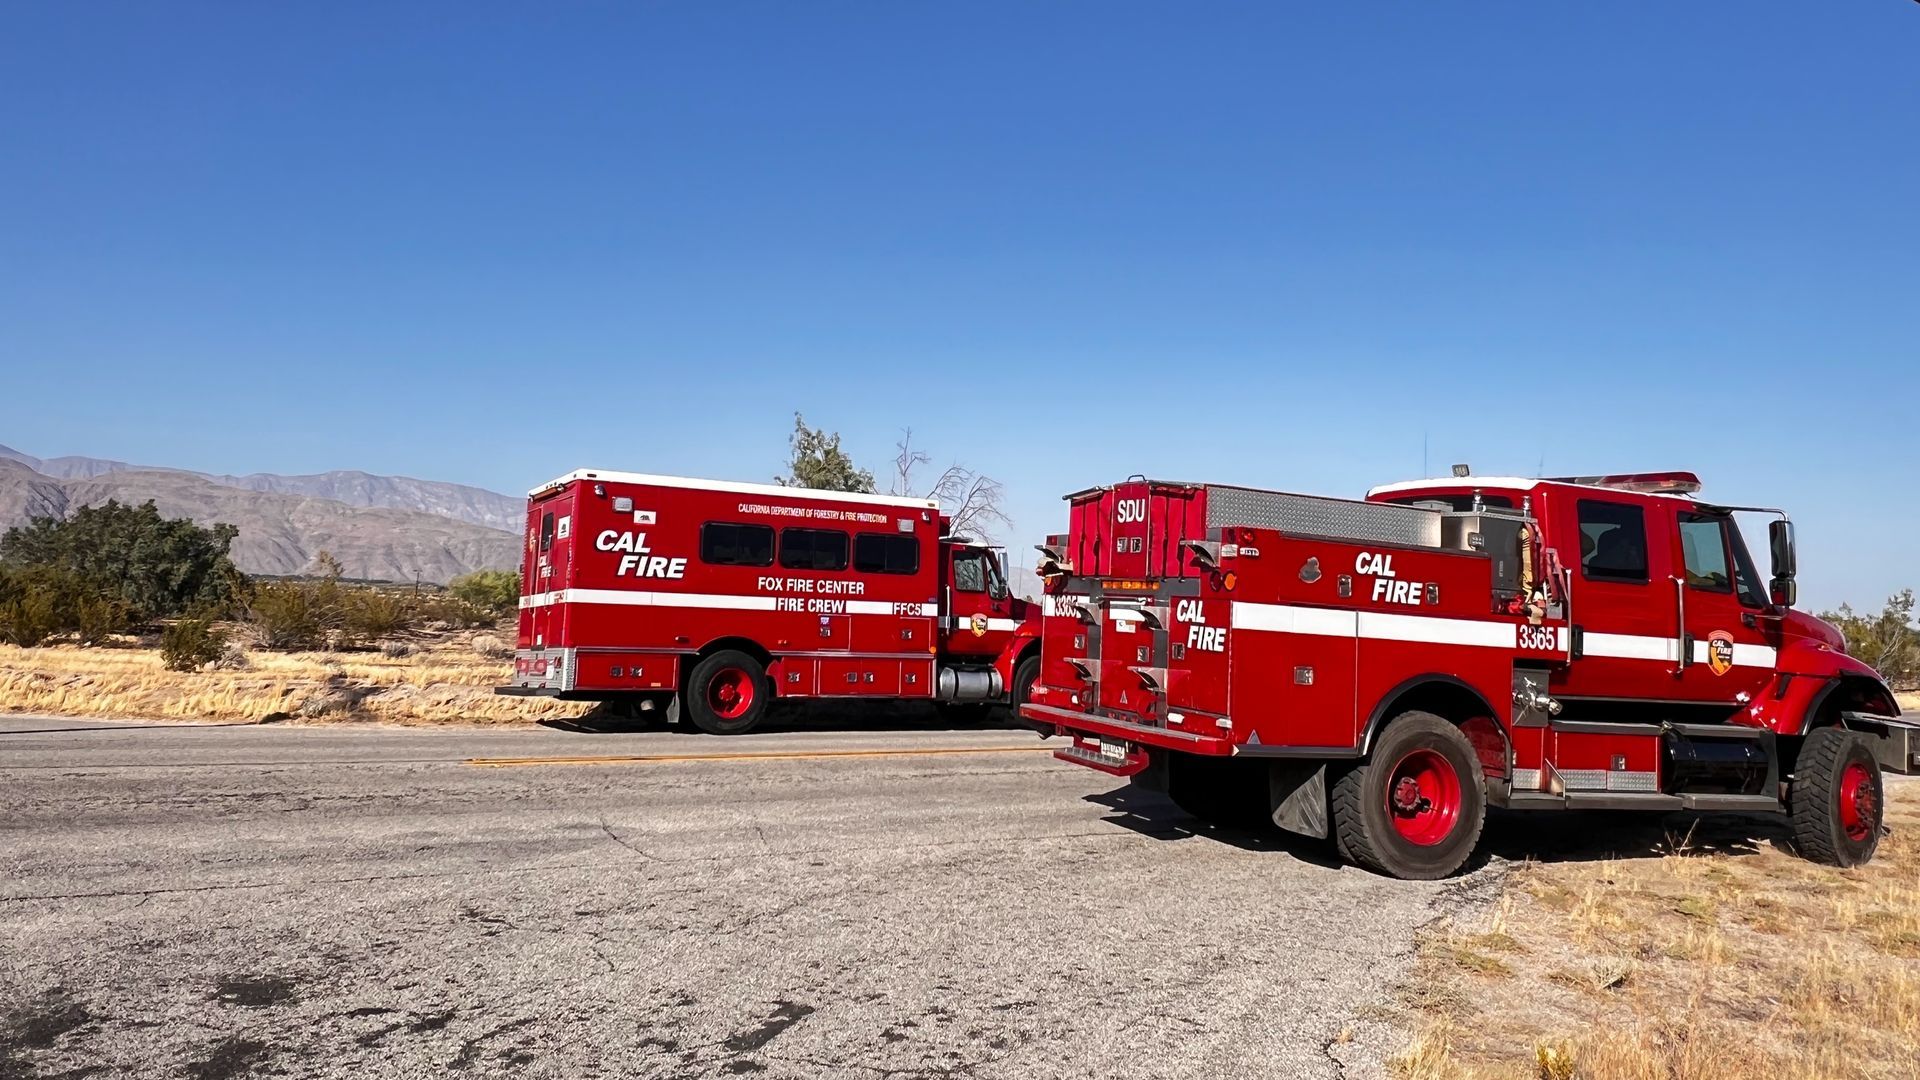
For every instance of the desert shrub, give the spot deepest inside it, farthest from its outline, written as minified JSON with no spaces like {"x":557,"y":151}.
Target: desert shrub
{"x":41,"y":602}
{"x":369,"y":615}
{"x":1888,"y":642}
{"x":234,"y":657}
{"x":497,"y":591}
{"x":155,"y":566}
{"x":291,"y":615}
{"x":191,"y":644}
{"x":490,"y":647}
{"x":29,"y":615}
{"x":398,"y":650}
{"x":453,"y":613}
{"x":96,"y":617}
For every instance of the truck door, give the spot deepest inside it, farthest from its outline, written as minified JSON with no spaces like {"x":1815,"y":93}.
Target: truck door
{"x":978,"y":621}
{"x":1719,"y":594}
{"x":550,"y":566}
{"x":1623,"y":599}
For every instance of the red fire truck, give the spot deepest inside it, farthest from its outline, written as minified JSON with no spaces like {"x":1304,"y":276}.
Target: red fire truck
{"x":1378,"y":672}
{"x":711,"y":599}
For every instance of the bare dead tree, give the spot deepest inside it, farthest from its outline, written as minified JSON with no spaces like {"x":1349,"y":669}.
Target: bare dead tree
{"x":973,"y":500}
{"x":905,"y":463}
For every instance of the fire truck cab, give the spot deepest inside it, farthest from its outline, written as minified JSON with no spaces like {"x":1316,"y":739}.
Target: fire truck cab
{"x":1378,"y":672}
{"x":709,"y":599}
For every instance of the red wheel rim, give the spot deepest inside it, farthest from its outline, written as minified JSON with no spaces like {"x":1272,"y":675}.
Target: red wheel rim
{"x":1423,"y":797}
{"x":1859,"y":802}
{"x":730,"y":693}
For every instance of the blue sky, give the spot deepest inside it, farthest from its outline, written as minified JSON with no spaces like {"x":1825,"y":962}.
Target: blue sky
{"x":1278,"y":244}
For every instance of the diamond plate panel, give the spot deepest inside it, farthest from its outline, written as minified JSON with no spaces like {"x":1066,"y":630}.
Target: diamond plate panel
{"x":1607,"y":780}
{"x":1312,"y":515}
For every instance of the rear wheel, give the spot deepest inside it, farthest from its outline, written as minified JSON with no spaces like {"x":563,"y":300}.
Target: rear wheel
{"x":1836,"y":801}
{"x":726,"y":693}
{"x":1414,"y":809}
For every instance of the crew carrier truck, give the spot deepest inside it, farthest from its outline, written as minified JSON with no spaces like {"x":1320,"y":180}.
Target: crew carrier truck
{"x":707,"y":600}
{"x":1379,"y":672}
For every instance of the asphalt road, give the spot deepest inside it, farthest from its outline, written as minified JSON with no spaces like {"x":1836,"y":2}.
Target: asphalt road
{"x":216,"y":902}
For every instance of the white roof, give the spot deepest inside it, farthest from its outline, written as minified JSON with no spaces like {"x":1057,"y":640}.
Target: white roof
{"x":1496,"y":483}
{"x":1501,"y":483}
{"x":774,"y":491}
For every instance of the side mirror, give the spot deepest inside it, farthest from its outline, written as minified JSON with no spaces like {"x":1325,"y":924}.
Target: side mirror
{"x":1784,"y":591}
{"x":1780,"y":542}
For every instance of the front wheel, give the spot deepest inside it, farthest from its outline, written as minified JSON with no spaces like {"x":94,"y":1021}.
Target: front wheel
{"x":1414,"y":809}
{"x":1835,"y":801}
{"x":726,"y":693}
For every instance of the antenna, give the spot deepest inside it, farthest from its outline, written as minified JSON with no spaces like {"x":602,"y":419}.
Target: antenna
{"x":1424,"y":474}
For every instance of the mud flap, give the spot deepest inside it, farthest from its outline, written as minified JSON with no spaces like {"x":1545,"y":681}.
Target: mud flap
{"x":1297,"y":791}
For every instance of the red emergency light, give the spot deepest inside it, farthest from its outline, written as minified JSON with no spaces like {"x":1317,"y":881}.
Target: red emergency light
{"x":1654,"y":483}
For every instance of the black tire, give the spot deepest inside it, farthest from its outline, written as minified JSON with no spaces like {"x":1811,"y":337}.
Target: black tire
{"x":1025,"y":674}
{"x":706,"y":700}
{"x":1399,"y":814}
{"x":1230,"y":794}
{"x":1836,"y":801}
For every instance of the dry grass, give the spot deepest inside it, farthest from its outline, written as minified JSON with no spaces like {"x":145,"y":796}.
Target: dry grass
{"x":1909,"y":700}
{"x":444,"y":682}
{"x":1719,"y":957}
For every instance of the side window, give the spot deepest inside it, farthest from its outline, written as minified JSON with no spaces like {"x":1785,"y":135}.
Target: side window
{"x":726,"y":544}
{"x":1613,"y":542}
{"x":996,"y":585}
{"x":1745,"y":576}
{"x":1703,"y":546}
{"x":970,"y":571}
{"x":546,"y":532}
{"x":885,"y":553}
{"x":813,"y":549}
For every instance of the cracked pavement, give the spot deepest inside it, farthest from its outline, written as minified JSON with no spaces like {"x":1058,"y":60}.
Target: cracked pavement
{"x":217,"y":902}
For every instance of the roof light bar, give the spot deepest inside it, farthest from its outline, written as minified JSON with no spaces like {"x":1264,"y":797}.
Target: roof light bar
{"x":1654,"y":483}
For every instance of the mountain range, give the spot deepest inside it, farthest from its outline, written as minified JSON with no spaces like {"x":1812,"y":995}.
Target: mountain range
{"x":384,"y":527}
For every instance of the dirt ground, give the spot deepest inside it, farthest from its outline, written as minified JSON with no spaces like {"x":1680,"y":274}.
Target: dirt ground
{"x":426,"y":678}
{"x":1681,"y":949}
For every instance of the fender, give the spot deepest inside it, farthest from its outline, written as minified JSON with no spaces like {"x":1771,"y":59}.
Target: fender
{"x":1444,"y":695}
{"x":1028,"y":636}
{"x":1803,"y":690}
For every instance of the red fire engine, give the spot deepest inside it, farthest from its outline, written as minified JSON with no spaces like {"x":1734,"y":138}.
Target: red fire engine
{"x":1378,"y":672}
{"x":711,"y":599}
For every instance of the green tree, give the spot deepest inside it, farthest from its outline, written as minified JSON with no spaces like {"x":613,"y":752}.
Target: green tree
{"x":1888,"y":642}
{"x":497,"y":591}
{"x":156,"y":566}
{"x":816,"y":461}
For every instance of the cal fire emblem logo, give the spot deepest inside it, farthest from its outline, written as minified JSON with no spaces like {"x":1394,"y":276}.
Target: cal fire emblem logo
{"x":1720,"y":652}
{"x":979,"y":624}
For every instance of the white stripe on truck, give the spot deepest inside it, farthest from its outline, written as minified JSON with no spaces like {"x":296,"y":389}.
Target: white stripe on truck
{"x":1478,"y":633}
{"x":708,"y":601}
